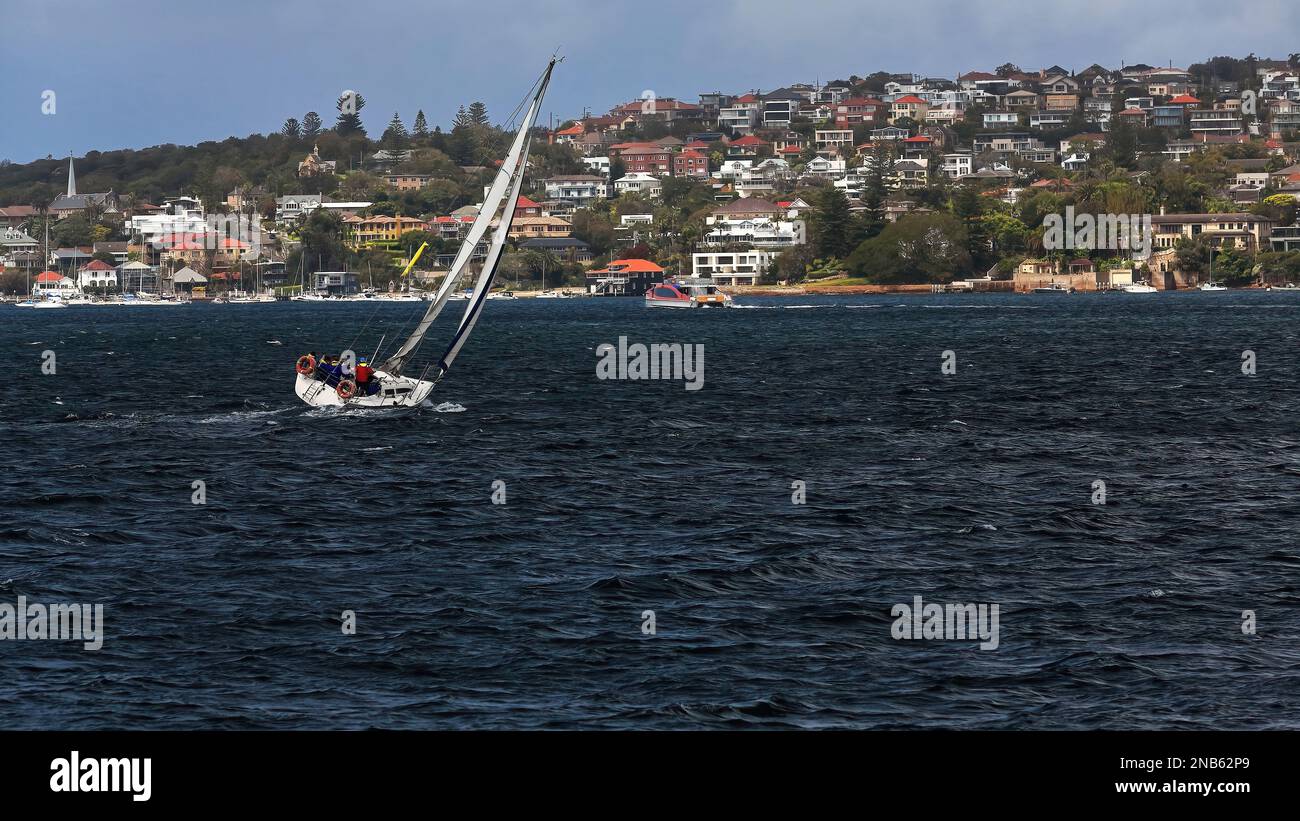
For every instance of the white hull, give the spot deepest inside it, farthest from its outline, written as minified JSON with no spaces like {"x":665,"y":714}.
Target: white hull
{"x":1139,"y":289}
{"x":395,"y":392}
{"x":1210,"y":286}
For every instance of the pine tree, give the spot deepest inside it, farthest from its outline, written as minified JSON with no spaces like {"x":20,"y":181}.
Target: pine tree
{"x":874,"y":192}
{"x":292,"y":129}
{"x":310,"y":125}
{"x":832,"y":224}
{"x":462,"y":119}
{"x":349,"y":119}
{"x":395,"y":137}
{"x":421,"y":125}
{"x":478,"y":113}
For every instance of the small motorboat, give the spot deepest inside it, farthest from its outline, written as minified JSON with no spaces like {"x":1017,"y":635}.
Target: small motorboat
{"x":687,"y":292}
{"x":1212,"y":286}
{"x":1054,"y":288}
{"x":1139,"y":288}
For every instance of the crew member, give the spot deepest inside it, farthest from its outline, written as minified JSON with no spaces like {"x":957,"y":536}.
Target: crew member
{"x":365,"y":376}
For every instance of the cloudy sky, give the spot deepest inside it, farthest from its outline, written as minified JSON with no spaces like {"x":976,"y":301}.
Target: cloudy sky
{"x":158,"y":71}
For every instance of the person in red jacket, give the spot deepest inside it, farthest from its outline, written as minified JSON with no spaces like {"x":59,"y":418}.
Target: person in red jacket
{"x":365,"y":378}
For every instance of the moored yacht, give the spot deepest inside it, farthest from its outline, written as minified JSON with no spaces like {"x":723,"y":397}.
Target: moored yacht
{"x":1054,"y":288}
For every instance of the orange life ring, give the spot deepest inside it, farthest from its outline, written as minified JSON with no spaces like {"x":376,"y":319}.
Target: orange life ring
{"x":306,"y":365}
{"x":346,"y":389}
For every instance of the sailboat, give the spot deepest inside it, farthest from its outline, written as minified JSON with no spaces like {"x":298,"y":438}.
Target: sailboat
{"x":391,"y":384}
{"x":1212,"y":285}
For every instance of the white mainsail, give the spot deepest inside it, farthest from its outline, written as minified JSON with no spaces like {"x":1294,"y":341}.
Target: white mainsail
{"x":485,"y":277}
{"x":512,"y":168}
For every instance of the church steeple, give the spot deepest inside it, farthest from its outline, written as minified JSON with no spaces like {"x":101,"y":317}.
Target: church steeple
{"x":72,"y":178}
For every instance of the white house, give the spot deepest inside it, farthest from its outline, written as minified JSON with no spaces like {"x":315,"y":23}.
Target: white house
{"x":641,"y":183}
{"x":51,"y":284}
{"x":957,"y":165}
{"x":732,"y":267}
{"x":97,"y":275}
{"x":733,"y":169}
{"x":761,"y":232}
{"x":825,"y":167}
{"x":741,"y":118}
{"x":999,"y":119}
{"x":597,"y":165}
{"x":578,"y":189}
{"x":1077,"y":161}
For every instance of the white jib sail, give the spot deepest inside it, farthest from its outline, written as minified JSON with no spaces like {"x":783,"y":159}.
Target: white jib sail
{"x":486,"y":276}
{"x":484,"y":219}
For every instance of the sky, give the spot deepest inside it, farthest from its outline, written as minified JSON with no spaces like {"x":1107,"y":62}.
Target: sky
{"x":148,"y":72}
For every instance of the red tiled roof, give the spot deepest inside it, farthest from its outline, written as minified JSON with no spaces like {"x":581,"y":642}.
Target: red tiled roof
{"x":911,"y":99}
{"x":573,"y":129}
{"x":1184,"y":99}
{"x":97,"y":265}
{"x":692,"y":154}
{"x":747,"y":98}
{"x":635,"y":266}
{"x":1132,"y":112}
{"x":525,"y":202}
{"x":750,"y":139}
{"x":49,"y":276}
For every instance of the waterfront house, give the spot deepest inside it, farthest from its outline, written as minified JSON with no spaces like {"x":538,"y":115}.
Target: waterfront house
{"x":1250,"y":231}
{"x":732,"y":267}
{"x":624,"y":277}
{"x":53,"y":284}
{"x":97,"y":275}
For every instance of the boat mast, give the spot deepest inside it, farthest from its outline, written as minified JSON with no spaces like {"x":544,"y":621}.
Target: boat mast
{"x":505,"y":181}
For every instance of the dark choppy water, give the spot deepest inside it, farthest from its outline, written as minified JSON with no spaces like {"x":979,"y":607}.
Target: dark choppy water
{"x":623,"y":497}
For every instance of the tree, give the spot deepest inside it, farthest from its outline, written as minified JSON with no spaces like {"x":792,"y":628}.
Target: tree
{"x":878,"y":163}
{"x":322,"y":242}
{"x":395,"y":137}
{"x":831,"y":224}
{"x":968,"y":206}
{"x":1006,"y":70}
{"x":73,"y":231}
{"x":595,"y":229}
{"x":349,"y":120}
{"x":461,"y":119}
{"x":918,"y":248}
{"x":421,"y":128}
{"x":1280,"y":208}
{"x":478,"y":113}
{"x":1121,"y":145}
{"x":311,"y":125}
{"x":292,"y":129}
